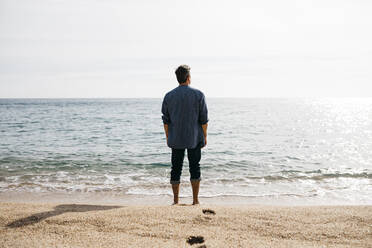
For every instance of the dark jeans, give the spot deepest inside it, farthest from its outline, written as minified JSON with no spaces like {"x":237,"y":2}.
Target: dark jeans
{"x":194,"y":156}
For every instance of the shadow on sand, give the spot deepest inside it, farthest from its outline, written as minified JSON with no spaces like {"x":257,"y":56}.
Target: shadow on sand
{"x":60,"y":209}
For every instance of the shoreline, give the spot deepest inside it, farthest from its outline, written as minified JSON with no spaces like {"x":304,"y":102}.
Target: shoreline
{"x":164,"y":200}
{"x":112,"y":225}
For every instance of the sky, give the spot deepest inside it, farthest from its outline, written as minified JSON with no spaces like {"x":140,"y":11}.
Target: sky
{"x":130,"y":48}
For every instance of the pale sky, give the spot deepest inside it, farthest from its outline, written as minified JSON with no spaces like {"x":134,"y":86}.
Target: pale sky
{"x":130,"y":48}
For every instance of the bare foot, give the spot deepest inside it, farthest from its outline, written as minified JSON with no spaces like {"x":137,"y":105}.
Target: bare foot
{"x":174,"y":203}
{"x":195,"y":203}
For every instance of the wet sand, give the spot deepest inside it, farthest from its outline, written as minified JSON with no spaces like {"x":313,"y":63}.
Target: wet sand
{"x":100,"y":225}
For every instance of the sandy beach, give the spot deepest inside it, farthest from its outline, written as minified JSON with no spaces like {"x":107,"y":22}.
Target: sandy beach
{"x":206,"y":225}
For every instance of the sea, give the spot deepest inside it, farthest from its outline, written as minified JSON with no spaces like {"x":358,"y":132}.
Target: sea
{"x":301,"y":150}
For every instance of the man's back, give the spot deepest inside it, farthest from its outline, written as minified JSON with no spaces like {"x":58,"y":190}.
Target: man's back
{"x":184,"y":110}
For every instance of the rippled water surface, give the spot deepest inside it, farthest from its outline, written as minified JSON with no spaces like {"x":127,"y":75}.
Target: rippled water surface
{"x":312,"y":149}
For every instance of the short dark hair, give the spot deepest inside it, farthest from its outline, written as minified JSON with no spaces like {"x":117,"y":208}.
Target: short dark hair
{"x":182,"y":73}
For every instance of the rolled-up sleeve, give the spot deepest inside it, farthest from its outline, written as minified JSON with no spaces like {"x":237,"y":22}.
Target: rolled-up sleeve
{"x":203,"y":111}
{"x":164,"y":110}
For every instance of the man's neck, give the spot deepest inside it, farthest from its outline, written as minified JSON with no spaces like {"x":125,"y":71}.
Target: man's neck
{"x":184,"y":84}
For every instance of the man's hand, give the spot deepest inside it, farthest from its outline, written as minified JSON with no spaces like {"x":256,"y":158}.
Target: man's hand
{"x":205,"y":126}
{"x":166,"y":131}
{"x":205,"y":142}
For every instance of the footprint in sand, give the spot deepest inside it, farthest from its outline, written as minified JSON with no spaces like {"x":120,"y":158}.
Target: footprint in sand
{"x":195,"y":240}
{"x":200,"y":239}
{"x":209,"y":211}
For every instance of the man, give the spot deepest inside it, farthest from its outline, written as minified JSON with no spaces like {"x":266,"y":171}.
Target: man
{"x":185,"y":119}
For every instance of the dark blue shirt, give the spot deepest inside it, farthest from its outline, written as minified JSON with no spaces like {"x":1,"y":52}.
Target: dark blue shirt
{"x":184,"y":110}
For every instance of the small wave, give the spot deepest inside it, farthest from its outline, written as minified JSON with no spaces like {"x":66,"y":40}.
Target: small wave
{"x":292,"y":158}
{"x":294,"y":175}
{"x":259,"y":153}
{"x":298,"y":175}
